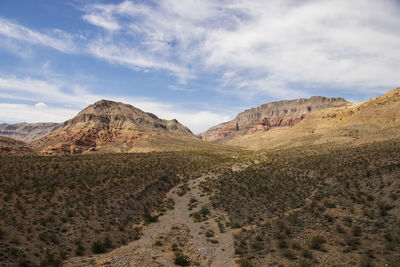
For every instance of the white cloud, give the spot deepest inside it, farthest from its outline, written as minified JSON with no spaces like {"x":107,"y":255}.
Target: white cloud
{"x":42,"y":90}
{"x":55,"y":39}
{"x":41,"y":105}
{"x":31,"y":113}
{"x":272,"y":44}
{"x":133,"y":58}
{"x":102,"y":20}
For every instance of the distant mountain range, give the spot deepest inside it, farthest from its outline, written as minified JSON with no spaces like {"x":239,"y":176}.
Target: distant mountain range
{"x":27,"y":131}
{"x":117,"y":127}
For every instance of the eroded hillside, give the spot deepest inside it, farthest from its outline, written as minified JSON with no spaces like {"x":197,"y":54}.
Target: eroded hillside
{"x":315,"y":206}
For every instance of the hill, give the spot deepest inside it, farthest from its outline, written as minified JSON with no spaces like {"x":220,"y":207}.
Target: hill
{"x":116,"y":127}
{"x":12,"y":146}
{"x":27,"y":132}
{"x":282,"y":114}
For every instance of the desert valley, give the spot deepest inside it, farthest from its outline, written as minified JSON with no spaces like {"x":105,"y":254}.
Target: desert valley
{"x":305,"y":182}
{"x":209,"y":133}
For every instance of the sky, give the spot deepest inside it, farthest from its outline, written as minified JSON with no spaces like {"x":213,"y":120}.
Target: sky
{"x":198,"y":61}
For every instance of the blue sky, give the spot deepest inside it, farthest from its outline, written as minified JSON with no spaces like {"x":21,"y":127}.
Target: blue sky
{"x":199,"y":61}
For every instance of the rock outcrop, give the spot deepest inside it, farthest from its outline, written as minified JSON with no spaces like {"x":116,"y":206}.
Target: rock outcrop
{"x":107,"y":123}
{"x":27,"y":132}
{"x":271,"y":115}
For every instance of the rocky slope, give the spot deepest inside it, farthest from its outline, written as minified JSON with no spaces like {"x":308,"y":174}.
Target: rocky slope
{"x":374,"y":120}
{"x":12,"y":146}
{"x":27,"y":131}
{"x":111,"y":126}
{"x":272,"y":115}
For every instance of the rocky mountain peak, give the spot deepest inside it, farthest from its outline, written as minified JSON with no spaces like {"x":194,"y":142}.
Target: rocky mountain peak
{"x":106,"y":122}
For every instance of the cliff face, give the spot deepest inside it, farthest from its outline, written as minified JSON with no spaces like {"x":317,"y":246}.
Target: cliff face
{"x":27,"y":132}
{"x":107,"y":122}
{"x":377,"y":119}
{"x":269,"y":116}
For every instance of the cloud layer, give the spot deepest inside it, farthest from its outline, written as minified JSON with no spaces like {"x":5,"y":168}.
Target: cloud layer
{"x":261,"y":47}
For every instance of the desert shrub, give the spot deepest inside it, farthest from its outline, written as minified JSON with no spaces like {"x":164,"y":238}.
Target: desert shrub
{"x":205,"y":211}
{"x":148,"y":218}
{"x":174,"y":247}
{"x":98,"y":247}
{"x":282,"y":243}
{"x":296,"y":246}
{"x":353,"y":243}
{"x":288,"y":253}
{"x":107,"y":242}
{"x":306,"y":254}
{"x":365,"y":261}
{"x":329,"y":204}
{"x":340,"y":229}
{"x":317,"y":242}
{"x":244,"y":262}
{"x":181,"y":259}
{"x":50,"y":261}
{"x":221,"y":227}
{"x":80,"y":250}
{"x":197,"y":216}
{"x":209,"y":233}
{"x":357,"y":230}
{"x":158,"y":243}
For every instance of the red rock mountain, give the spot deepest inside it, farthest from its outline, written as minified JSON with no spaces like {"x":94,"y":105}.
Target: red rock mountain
{"x":106,"y":124}
{"x":268,"y":116}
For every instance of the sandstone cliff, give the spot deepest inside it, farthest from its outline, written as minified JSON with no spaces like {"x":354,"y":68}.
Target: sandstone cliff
{"x":108,"y":124}
{"x":271,"y":115}
{"x":377,"y":119}
{"x":27,"y":131}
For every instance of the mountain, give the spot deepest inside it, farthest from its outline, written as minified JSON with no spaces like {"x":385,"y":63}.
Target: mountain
{"x":113,"y":126}
{"x":377,"y":119}
{"x":12,"y":146}
{"x":269,"y":116}
{"x":27,"y":131}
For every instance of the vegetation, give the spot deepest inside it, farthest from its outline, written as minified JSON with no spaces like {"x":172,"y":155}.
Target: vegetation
{"x":83,"y":204}
{"x":309,"y":203}
{"x":302,"y":206}
{"x":181,"y":260}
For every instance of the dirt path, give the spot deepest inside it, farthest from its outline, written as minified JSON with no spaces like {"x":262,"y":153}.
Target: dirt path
{"x":203,"y":242}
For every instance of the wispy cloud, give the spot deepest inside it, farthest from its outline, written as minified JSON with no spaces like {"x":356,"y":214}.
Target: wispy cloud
{"x":54,"y":91}
{"x":13,"y":113}
{"x":273,"y":45}
{"x":134,"y":58}
{"x":340,"y":44}
{"x":55,"y":39}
